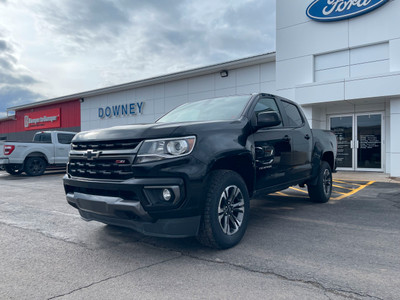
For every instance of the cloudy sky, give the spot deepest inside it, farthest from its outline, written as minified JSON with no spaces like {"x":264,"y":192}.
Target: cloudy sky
{"x":52,"y":48}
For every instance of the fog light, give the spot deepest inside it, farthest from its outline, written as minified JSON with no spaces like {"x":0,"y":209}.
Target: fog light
{"x":167,"y":194}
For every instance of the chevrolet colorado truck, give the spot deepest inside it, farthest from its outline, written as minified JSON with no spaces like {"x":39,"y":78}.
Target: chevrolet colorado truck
{"x":193,"y":172}
{"x":48,"y":148}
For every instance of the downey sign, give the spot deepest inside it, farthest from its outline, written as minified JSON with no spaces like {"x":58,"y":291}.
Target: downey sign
{"x":336,"y":10}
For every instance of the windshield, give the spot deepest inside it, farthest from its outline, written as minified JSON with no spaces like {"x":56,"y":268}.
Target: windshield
{"x":225,"y":108}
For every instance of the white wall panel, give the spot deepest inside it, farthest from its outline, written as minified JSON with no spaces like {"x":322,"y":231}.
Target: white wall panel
{"x":176,"y":88}
{"x":268,"y":72}
{"x":147,"y":107}
{"x":225,"y":82}
{"x":287,"y":93}
{"x":159,"y":106}
{"x":268,"y":87}
{"x":293,"y":72}
{"x":382,"y":24}
{"x":332,"y":74}
{"x":248,"y":89}
{"x":158,"y":90}
{"x":394,"y":164}
{"x":394,"y":54}
{"x":248,"y":75}
{"x":379,"y":86}
{"x":369,"y":53}
{"x":395,"y":107}
{"x":372,"y":68}
{"x":225,"y":92}
{"x":145,"y":93}
{"x":311,"y":38}
{"x":291,"y":12}
{"x":201,"y":96}
{"x":320,"y":93}
{"x":332,"y":60}
{"x":173,"y":102}
{"x":201,"y":84}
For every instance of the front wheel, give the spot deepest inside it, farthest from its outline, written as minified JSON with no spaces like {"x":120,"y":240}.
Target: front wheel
{"x":226,"y":211}
{"x":35,"y":166}
{"x":322,"y":190}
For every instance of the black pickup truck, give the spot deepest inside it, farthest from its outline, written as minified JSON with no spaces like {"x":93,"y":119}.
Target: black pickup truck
{"x":193,"y":172}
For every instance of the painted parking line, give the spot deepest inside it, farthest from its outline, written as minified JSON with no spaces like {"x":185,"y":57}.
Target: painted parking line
{"x":360,"y":187}
{"x":341,"y":189}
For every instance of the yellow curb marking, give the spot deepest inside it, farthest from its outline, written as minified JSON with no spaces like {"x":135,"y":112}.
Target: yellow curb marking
{"x":342,"y":195}
{"x":347,"y":182}
{"x":282,"y":194}
{"x":342,"y":187}
{"x":299,"y":190}
{"x":353,"y":191}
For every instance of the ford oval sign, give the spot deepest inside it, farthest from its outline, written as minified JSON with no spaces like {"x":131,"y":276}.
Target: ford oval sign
{"x":335,"y":10}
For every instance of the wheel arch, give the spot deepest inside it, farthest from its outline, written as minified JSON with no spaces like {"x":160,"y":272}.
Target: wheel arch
{"x":37,"y":154}
{"x":239,"y":163}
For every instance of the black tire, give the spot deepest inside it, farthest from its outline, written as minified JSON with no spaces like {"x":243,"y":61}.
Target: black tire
{"x":14,"y":169}
{"x":226,"y":212}
{"x":322,"y":190}
{"x":35,"y":166}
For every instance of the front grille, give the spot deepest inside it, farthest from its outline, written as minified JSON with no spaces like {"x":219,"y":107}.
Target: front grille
{"x":118,"y":169}
{"x":106,"y":145}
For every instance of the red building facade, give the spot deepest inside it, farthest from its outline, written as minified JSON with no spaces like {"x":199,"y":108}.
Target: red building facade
{"x":64,"y":116}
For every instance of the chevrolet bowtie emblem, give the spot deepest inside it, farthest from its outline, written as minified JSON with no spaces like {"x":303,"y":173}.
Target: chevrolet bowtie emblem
{"x":91,"y":155}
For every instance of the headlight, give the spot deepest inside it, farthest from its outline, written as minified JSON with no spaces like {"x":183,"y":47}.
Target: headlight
{"x":153,"y":150}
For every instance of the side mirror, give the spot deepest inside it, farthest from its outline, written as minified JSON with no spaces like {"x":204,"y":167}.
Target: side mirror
{"x":268,"y":119}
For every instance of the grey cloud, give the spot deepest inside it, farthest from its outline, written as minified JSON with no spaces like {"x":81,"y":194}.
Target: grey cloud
{"x":3,"y":45}
{"x":15,"y":95}
{"x":14,"y":79}
{"x":9,"y":78}
{"x":84,"y":22}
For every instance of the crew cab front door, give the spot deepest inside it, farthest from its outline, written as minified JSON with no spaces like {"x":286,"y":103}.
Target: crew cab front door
{"x":273,"y":149}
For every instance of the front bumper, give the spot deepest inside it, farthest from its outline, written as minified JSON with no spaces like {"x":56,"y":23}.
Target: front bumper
{"x":133,"y":203}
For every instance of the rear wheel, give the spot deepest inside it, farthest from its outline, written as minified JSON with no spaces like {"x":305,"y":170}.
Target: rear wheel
{"x":226,"y":211}
{"x":35,"y":166}
{"x":13,"y":169}
{"x":322,"y":190}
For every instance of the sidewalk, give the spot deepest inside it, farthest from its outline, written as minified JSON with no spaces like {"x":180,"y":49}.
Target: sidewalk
{"x":365,"y":176}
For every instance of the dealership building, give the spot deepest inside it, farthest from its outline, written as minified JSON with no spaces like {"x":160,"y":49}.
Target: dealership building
{"x":339,"y":59}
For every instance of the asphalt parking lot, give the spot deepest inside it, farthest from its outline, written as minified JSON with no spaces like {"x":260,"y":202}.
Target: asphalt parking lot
{"x":348,"y":248}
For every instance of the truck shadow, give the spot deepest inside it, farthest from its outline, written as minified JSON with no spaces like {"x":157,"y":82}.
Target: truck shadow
{"x":263,"y":212}
{"x":5,"y":176}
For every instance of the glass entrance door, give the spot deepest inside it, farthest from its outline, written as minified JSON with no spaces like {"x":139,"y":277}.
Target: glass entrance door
{"x":369,"y":137}
{"x":342,"y":126}
{"x":359,"y":139}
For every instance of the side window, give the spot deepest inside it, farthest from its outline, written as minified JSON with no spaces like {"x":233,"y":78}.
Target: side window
{"x":64,"y":138}
{"x":294,"y":117}
{"x":267,"y":104}
{"x":42,"y":138}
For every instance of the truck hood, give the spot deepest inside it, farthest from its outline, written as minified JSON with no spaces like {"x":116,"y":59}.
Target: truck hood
{"x":149,"y":131}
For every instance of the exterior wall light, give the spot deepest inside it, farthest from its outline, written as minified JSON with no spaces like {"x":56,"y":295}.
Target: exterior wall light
{"x":224,"y":73}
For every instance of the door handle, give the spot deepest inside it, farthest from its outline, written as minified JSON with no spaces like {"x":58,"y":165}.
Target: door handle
{"x":286,"y":138}
{"x":307,"y":137}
